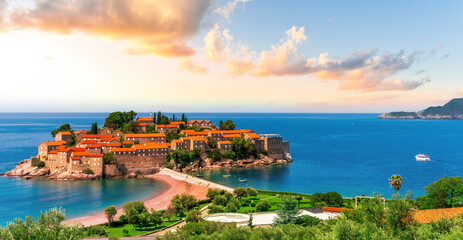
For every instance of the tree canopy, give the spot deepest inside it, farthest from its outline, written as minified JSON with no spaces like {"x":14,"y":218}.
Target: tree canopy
{"x":62,"y":128}
{"x":227,"y":125}
{"x":116,"y":120}
{"x":444,"y":193}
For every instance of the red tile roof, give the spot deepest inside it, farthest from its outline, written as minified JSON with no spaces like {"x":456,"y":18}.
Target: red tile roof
{"x":151,"y":146}
{"x":96,"y":136}
{"x":194,"y":138}
{"x":199,"y":121}
{"x":52,"y":152}
{"x":177,"y":140}
{"x":95,"y":146}
{"x":253,"y":135}
{"x":122,"y":149}
{"x":77,"y":149}
{"x":88,"y":141}
{"x":177,"y":123}
{"x":231,"y":136}
{"x":79,"y":154}
{"x":333,"y":209}
{"x":65,"y":133}
{"x":126,"y":142}
{"x":113,"y":145}
{"x":95,"y":155}
{"x":145,"y":135}
{"x":145,"y":119}
{"x":224,"y":142}
{"x":75,"y":158}
{"x":142,"y":124}
{"x":432,"y":215}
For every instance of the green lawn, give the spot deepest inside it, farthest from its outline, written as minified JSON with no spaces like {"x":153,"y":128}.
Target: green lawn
{"x":273,"y":199}
{"x":117,"y":231}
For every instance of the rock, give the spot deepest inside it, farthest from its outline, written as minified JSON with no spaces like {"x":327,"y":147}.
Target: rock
{"x":132,"y":175}
{"x":27,"y":177}
{"x":40,"y":172}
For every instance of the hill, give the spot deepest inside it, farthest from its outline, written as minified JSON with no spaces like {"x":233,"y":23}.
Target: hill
{"x":451,"y":110}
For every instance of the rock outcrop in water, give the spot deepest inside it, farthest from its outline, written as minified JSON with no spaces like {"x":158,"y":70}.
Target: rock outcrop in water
{"x":451,"y":110}
{"x":25,"y":170}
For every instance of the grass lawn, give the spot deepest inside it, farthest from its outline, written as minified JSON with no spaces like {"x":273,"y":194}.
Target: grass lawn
{"x":117,"y":231}
{"x":274,"y":200}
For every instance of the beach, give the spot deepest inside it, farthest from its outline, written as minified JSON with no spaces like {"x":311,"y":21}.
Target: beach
{"x":178,"y":183}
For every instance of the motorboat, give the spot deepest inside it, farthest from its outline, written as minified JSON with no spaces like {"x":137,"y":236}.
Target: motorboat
{"x":422,"y":157}
{"x":241,"y":180}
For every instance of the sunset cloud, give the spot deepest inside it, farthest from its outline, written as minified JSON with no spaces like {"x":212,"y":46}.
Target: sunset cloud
{"x":159,"y":27}
{"x":189,"y":65}
{"x":365,"y":70}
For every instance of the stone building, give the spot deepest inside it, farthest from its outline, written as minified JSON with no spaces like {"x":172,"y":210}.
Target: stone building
{"x":46,"y":147}
{"x":63,"y":136}
{"x":275,"y":146}
{"x":201,"y":124}
{"x":162,"y":128}
{"x":224,"y":145}
{"x":106,"y":131}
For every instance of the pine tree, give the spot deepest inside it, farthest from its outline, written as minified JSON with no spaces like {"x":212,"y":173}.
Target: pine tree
{"x":154,"y":118}
{"x":173,"y":117}
{"x":159,"y":117}
{"x":183,"y":117}
{"x":94,"y":129}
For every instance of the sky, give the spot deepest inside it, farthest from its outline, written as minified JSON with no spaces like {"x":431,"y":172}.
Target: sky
{"x":229,"y":55}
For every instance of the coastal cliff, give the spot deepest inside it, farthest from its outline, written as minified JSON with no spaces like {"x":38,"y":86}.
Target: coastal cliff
{"x":451,"y":110}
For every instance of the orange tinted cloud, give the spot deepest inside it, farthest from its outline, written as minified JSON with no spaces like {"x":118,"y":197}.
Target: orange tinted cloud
{"x":362,"y":70}
{"x":158,"y":27}
{"x":190,"y":66}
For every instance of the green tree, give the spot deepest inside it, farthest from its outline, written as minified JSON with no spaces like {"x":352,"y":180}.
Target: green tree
{"x":189,"y":201}
{"x":155,"y":217}
{"x":251,"y":192}
{"x":94,"y":128}
{"x":151,"y":128}
{"x":263,"y":206}
{"x":194,"y":216}
{"x":299,"y":199}
{"x":109,"y":158}
{"x":396,"y":181}
{"x":177,"y":204}
{"x":227,"y":125}
{"x":243,"y":148}
{"x":444,"y":193}
{"x":212,"y":193}
{"x":250,"y":224}
{"x":110,"y":213}
{"x":116,"y":120}
{"x":288,"y":211}
{"x":170,"y":212}
{"x":220,"y":200}
{"x":136,"y":213}
{"x":73,"y":140}
{"x":63,"y":128}
{"x":240,"y":192}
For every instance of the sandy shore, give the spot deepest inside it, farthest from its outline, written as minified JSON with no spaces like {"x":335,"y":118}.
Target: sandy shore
{"x":160,"y":202}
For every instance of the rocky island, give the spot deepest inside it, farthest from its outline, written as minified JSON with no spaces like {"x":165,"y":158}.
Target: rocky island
{"x":129,"y":147}
{"x":451,"y":110}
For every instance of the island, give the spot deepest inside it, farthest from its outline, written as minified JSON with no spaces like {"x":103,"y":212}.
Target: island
{"x":451,"y":110}
{"x":130,"y":146}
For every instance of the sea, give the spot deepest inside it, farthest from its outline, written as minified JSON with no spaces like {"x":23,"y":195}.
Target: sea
{"x":352,"y":154}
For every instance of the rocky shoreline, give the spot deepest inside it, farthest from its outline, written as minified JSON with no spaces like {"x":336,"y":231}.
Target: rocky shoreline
{"x":416,"y":115}
{"x":25,"y":170}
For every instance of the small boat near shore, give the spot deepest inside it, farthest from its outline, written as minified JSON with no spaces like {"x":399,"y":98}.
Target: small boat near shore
{"x":241,"y":180}
{"x":422,"y":157}
{"x":227,"y":175}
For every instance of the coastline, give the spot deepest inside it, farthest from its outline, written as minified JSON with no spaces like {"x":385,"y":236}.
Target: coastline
{"x":177,"y":183}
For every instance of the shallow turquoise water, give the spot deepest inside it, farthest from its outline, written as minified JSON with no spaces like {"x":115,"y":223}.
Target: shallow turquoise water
{"x":352,"y":154}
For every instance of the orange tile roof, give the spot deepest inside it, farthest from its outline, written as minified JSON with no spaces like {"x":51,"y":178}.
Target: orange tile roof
{"x":199,"y":121}
{"x":95,"y":155}
{"x":113,"y":145}
{"x":197,"y":134}
{"x":96,"y":136}
{"x":253,"y":135}
{"x":144,"y":119}
{"x":122,"y":149}
{"x":142,"y":124}
{"x":151,"y":146}
{"x":231,"y":136}
{"x":64,"y":150}
{"x":224,"y":142}
{"x":65,"y":133}
{"x":197,"y":138}
{"x":176,"y":123}
{"x":77,"y":149}
{"x":126,"y":142}
{"x":54,"y":143}
{"x":95,"y":146}
{"x":88,"y":141}
{"x":61,"y":147}
{"x":215,"y":131}
{"x":333,"y":209}
{"x":177,"y":140}
{"x":52,"y":152}
{"x":75,"y":158}
{"x":146,"y":135}
{"x":80,"y":131}
{"x":78,"y":154}
{"x":432,"y":215}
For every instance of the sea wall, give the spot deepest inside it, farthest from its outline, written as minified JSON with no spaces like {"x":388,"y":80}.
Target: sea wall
{"x":193,"y":180}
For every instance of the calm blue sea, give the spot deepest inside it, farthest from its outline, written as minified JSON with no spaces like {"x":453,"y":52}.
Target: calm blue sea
{"x":352,"y":154}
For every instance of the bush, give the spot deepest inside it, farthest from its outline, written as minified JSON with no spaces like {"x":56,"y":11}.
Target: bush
{"x":109,"y":158}
{"x":263,"y":206}
{"x":229,"y":155}
{"x":88,"y":171}
{"x":231,"y":207}
{"x":308,"y":221}
{"x":264,"y":152}
{"x":41,"y":164}
{"x":216,"y":155}
{"x":204,"y":201}
{"x":169,"y":165}
{"x":125,"y":231}
{"x":216,"y":209}
{"x":220,"y":201}
{"x":113,"y":238}
{"x":330,"y":198}
{"x":97,"y":231}
{"x":35,"y":162}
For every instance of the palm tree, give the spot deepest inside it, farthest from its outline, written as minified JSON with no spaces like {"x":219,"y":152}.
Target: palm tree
{"x":396,"y":181}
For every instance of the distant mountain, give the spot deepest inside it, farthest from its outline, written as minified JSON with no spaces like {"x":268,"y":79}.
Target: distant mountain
{"x":451,"y":110}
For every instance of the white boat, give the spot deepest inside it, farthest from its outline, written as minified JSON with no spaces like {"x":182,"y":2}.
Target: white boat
{"x":422,"y":157}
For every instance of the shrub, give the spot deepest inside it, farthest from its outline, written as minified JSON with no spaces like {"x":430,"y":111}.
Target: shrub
{"x":204,"y":201}
{"x":216,"y":155}
{"x":245,"y":202}
{"x":97,"y":231}
{"x":220,"y":201}
{"x":41,"y":164}
{"x":264,"y":152}
{"x":109,"y":158}
{"x":229,"y":155}
{"x":35,"y":162}
{"x":231,"y":207}
{"x":169,"y":165}
{"x":88,"y":171}
{"x":216,"y":209}
{"x":251,"y":192}
{"x":307,"y":221}
{"x":263,"y":206}
{"x":329,"y":198}
{"x":194,"y":216}
{"x":125,"y":231}
{"x":113,"y":238}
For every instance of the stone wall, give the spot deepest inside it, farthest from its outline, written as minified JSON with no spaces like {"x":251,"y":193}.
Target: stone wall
{"x":141,"y":164}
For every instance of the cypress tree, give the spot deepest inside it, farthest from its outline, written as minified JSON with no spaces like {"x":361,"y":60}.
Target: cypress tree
{"x":154,"y":118}
{"x":159,"y":117}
